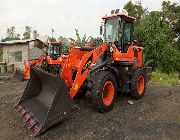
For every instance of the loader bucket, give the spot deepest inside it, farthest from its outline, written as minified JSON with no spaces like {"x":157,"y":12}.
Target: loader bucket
{"x":45,"y":101}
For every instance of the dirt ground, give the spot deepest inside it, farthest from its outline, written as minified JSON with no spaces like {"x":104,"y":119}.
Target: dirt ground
{"x":155,"y":116}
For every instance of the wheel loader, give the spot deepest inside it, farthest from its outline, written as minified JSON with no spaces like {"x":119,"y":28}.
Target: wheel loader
{"x":105,"y":70}
{"x":51,"y":62}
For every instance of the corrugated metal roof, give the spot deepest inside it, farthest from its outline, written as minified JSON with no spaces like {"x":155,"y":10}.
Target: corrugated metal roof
{"x":17,"y":41}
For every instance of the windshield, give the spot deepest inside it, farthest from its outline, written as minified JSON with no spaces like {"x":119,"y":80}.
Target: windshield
{"x":111,"y":29}
{"x":54,"y":49}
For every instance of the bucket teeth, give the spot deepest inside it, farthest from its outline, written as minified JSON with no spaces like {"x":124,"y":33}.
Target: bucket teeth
{"x":15,"y":106}
{"x":36,"y":129}
{"x":27,"y":118}
{"x":33,"y":125}
{"x":23,"y":112}
{"x":19,"y":108}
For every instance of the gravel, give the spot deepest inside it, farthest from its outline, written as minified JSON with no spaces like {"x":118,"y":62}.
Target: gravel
{"x":155,"y":116}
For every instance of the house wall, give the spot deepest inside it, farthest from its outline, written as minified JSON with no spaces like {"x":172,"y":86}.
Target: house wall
{"x":34,"y":51}
{"x":15,"y":48}
{"x":1,"y":54}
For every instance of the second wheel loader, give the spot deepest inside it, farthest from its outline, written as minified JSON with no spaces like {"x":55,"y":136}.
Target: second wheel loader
{"x":105,"y":70}
{"x":51,"y":62}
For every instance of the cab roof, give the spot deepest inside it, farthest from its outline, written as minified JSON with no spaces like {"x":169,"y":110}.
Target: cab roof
{"x":119,"y":15}
{"x":55,"y":43}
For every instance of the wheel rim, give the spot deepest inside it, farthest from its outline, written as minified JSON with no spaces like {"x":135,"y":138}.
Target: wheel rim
{"x":108,"y":93}
{"x":140,"y":84}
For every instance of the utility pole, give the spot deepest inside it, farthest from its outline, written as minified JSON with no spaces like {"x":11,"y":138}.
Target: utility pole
{"x":52,"y":32}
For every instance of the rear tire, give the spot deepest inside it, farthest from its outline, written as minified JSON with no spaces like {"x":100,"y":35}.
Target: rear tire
{"x":138,"y":85}
{"x":104,"y":91}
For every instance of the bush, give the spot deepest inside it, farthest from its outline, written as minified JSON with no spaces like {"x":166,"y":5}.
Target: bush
{"x":156,"y":36}
{"x":164,"y":79}
{"x":170,"y":60}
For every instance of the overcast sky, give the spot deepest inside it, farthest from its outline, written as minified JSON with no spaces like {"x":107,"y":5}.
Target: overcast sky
{"x":61,"y":15}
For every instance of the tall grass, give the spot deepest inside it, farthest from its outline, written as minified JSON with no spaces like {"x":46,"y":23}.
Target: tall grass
{"x":165,"y":79}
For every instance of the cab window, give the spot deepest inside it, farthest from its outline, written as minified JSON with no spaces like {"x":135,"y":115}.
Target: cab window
{"x":127,"y":36}
{"x":127,"y":32}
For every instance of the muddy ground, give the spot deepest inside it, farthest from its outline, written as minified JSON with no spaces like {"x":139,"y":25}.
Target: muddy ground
{"x":155,"y":116}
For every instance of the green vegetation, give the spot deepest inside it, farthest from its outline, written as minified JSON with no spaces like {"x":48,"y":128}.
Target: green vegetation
{"x":159,"y":33}
{"x":66,"y":44}
{"x":11,"y":34}
{"x":165,"y":79}
{"x":79,"y":41}
{"x":27,"y":33}
{"x":87,"y":40}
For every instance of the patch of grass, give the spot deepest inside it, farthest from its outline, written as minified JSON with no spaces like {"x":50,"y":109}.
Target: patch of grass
{"x":165,"y":79}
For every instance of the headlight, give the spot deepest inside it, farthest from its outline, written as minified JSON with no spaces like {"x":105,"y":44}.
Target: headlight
{"x":111,"y":49}
{"x":94,"y":64}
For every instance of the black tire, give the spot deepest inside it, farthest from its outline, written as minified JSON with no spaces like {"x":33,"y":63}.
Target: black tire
{"x":98,"y":85}
{"x":135,"y":93}
{"x":81,"y":94}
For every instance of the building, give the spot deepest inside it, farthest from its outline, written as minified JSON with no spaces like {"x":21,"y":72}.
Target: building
{"x":17,"y":51}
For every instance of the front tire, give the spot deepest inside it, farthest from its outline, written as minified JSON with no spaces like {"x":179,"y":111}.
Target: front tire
{"x":138,"y":85}
{"x":104,"y":91}
{"x":80,"y":94}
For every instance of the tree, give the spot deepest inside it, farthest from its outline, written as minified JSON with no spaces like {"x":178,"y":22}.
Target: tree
{"x":156,"y":37}
{"x":35,"y":34}
{"x":65,"y":42}
{"x":136,"y":10}
{"x":158,"y":33}
{"x":11,"y":34}
{"x":82,"y":41}
{"x":78,"y":36}
{"x":27,"y":33}
{"x":52,"y":39}
{"x":171,"y":14}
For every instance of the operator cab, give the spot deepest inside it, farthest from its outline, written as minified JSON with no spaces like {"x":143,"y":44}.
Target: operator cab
{"x":54,"y":50}
{"x":118,"y":30}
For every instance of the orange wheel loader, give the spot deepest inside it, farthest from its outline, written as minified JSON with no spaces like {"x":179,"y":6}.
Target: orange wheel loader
{"x":51,"y":62}
{"x":116,"y":66}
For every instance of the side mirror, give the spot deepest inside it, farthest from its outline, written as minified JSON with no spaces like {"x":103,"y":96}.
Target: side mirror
{"x":137,"y":43}
{"x":101,"y":30}
{"x":127,"y":43}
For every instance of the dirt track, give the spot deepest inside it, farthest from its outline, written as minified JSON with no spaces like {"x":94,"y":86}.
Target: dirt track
{"x":156,"y":116}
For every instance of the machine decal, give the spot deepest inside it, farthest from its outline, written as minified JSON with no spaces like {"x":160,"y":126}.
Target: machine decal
{"x":87,"y":64}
